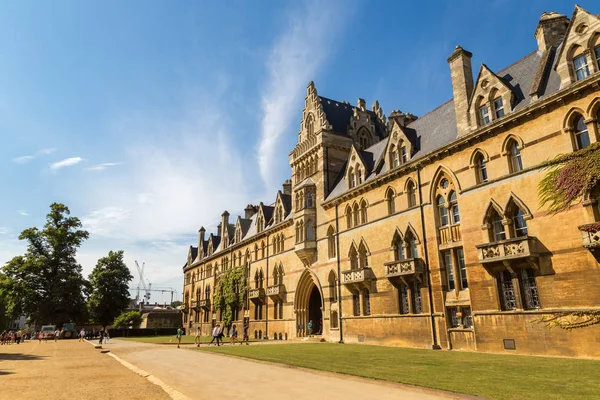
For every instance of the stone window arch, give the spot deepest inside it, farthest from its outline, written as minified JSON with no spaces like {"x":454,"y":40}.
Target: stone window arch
{"x":483,"y":111}
{"x":310,"y":230}
{"x":364,"y":138}
{"x":454,"y":209}
{"x":363,"y":211}
{"x":351,"y":178}
{"x":355,"y":215}
{"x":332,"y":280}
{"x":363,"y":254}
{"x":331,"y":248}
{"x":398,"y":246}
{"x":479,"y":160}
{"x":310,"y":124}
{"x":512,"y":150}
{"x":579,"y":62}
{"x":517,"y":214}
{"x":348,"y":214}
{"x":390,"y":198}
{"x":310,"y":199}
{"x":495,"y":222}
{"x":411,"y":242}
{"x":262,"y":249}
{"x":353,"y":257}
{"x":497,"y":103}
{"x":411,"y":193}
{"x":575,"y":125}
{"x":443,"y":219}
{"x":394,"y":157}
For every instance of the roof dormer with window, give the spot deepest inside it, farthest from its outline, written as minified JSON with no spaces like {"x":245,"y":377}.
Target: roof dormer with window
{"x":491,"y":99}
{"x":356,"y":171}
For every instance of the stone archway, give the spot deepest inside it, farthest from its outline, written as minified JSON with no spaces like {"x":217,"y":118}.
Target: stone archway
{"x":308,"y":304}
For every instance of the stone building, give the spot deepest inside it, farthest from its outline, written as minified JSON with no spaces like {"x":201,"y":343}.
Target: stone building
{"x":427,"y":231}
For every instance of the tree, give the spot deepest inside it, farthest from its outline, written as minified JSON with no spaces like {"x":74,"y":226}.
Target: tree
{"x":128,"y":319}
{"x":176,"y":303}
{"x":568,"y":177}
{"x":46,"y":282}
{"x":109,"y":282}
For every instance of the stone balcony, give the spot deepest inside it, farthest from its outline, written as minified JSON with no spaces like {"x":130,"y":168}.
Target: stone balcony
{"x":306,"y":250}
{"x":590,"y":236}
{"x":505,"y":251}
{"x":256,"y":294}
{"x":358,"y":278}
{"x":449,"y":235}
{"x":195,"y":305}
{"x":276,"y":291}
{"x":405,"y":270}
{"x":204,"y":303}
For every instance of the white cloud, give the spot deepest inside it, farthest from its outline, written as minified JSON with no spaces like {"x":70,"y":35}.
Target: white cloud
{"x":23,"y":213}
{"x":104,"y":220}
{"x":23,"y":159}
{"x":293,"y":61}
{"x":4,"y":230}
{"x":46,"y":151}
{"x":103,"y":166}
{"x":67,"y":162}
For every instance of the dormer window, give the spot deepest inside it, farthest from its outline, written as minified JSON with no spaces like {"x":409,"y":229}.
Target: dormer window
{"x":581,"y":67}
{"x":498,"y":107}
{"x":484,"y":114}
{"x":352,"y":180}
{"x":403,"y":154}
{"x":395,"y":157}
{"x":359,"y":175}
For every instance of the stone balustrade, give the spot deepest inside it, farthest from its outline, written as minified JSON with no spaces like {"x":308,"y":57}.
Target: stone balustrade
{"x":505,"y":250}
{"x":357,"y":275}
{"x":590,"y":235}
{"x":401,"y":268}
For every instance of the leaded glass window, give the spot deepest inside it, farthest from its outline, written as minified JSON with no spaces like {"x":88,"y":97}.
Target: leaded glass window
{"x":519,"y":224}
{"x":507,"y":295}
{"x":582,"y":137}
{"x":442,"y":210}
{"x":454,"y":321}
{"x":484,"y":114}
{"x":532,"y":298}
{"x":356,"y":303}
{"x":403,"y":299}
{"x":467,"y":318}
{"x":416,"y":294}
{"x":449,"y":270}
{"x":499,"y":107}
{"x":366,"y":302}
{"x":462,"y":267}
{"x":581,"y":67}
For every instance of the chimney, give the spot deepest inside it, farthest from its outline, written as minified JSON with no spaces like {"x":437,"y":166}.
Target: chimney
{"x":551,"y":30}
{"x":462,"y":86}
{"x":362,"y":104}
{"x":287,"y":187}
{"x":219,"y":229}
{"x":224,"y":229}
{"x":201,"y":233}
{"x":250,"y":211}
{"x":401,"y":118}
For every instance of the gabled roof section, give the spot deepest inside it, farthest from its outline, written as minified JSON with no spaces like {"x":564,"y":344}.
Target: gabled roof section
{"x":340,"y":113}
{"x":572,"y":23}
{"x":485,"y":71}
{"x":193,"y":253}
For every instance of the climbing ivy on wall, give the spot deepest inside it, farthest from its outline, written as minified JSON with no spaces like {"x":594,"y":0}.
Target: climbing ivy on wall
{"x":567,"y":178}
{"x":230,"y":293}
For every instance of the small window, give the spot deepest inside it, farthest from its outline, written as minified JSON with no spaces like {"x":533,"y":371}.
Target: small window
{"x":467,"y":317}
{"x":356,"y":304}
{"x":462,"y":267}
{"x":484,"y":114}
{"x":309,"y":200}
{"x":395,"y":157}
{"x":403,"y":154}
{"x":366,"y":302}
{"x":514,"y":155}
{"x":520,"y":227}
{"x":582,"y":137}
{"x":449,"y":270}
{"x":411,"y":242}
{"x":310,"y":232}
{"x":498,"y":232}
{"x":403,"y":299}
{"x":454,"y":211}
{"x":352,"y":177}
{"x":416,"y":298}
{"x":359,"y":176}
{"x":411,"y":195}
{"x":508,"y":300}
{"x":443,"y":211}
{"x":530,"y":290}
{"x":482,"y":175}
{"x":453,"y":314}
{"x":400,"y":251}
{"x":581,"y":67}
{"x":499,"y":107}
{"x":391,"y":202}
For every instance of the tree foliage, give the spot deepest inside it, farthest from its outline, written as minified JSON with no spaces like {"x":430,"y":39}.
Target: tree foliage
{"x":176,"y":303}
{"x":568,"y":178}
{"x":46,"y":282}
{"x":109,"y":282}
{"x":230,"y":293}
{"x":130,"y":319}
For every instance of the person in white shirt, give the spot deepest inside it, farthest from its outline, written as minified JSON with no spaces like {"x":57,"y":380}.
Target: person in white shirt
{"x":216,"y":332}
{"x":197,"y":338}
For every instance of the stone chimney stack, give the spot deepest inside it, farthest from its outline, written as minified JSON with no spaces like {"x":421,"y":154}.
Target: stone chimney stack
{"x":462,"y":86}
{"x":362,"y":104}
{"x":224,"y":228}
{"x":250,"y":211}
{"x":401,"y":118}
{"x":201,"y":233}
{"x":287,"y":187}
{"x":551,"y":30}
{"x":219,"y":229}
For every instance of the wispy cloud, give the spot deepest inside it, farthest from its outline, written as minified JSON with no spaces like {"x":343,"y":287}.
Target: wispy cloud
{"x":4,"y":230}
{"x":103,"y":166}
{"x":23,"y":213}
{"x":102,"y":221}
{"x":67,"y":162}
{"x":293,"y":61}
{"x":27,"y":158}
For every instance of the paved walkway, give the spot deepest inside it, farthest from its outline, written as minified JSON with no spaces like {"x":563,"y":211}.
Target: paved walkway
{"x":68,"y":369}
{"x":203,"y":375}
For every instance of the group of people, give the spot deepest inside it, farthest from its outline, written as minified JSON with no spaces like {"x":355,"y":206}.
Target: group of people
{"x":101,"y":334}
{"x":12,"y":337}
{"x":217,"y":335}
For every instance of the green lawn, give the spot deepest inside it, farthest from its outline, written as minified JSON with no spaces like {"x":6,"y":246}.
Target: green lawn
{"x":489,"y":375}
{"x":170,"y":339}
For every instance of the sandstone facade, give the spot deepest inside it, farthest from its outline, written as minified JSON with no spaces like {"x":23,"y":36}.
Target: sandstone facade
{"x":427,"y":232}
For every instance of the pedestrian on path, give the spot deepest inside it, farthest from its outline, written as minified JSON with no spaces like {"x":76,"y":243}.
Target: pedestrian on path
{"x":101,"y":336}
{"x":179,"y":335}
{"x":245,"y":338}
{"x":56,"y":335}
{"x":309,"y":326}
{"x":215,"y":335}
{"x":197,"y":337}
{"x":234,"y":334}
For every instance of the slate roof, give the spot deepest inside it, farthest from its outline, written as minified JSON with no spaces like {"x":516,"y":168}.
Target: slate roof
{"x":340,"y":113}
{"x":194,"y":252}
{"x":286,"y":199}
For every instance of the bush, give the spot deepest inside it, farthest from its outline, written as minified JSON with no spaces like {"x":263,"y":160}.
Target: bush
{"x":131,"y":319}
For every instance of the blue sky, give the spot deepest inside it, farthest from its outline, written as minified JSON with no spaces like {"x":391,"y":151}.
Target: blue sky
{"x":149,"y":118}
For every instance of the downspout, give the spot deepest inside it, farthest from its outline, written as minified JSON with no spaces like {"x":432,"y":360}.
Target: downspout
{"x":339,"y":272}
{"x":425,"y":249}
{"x":266,"y":335}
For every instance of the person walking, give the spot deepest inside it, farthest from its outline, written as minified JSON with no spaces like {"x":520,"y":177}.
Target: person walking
{"x":197,"y":337}
{"x":234,"y":334}
{"x":101,"y":336}
{"x":245,"y":338}
{"x":309,"y":326}
{"x":179,"y":335}
{"x":215,"y":335}
{"x":56,"y":335}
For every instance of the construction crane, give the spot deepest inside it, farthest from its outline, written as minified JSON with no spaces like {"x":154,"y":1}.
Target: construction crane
{"x":142,"y":283}
{"x":165,"y":290}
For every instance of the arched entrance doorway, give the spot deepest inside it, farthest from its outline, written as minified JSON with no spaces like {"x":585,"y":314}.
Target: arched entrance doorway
{"x":308,"y":305}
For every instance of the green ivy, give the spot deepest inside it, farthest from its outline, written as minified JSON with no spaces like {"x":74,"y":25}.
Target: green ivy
{"x":230,"y":292}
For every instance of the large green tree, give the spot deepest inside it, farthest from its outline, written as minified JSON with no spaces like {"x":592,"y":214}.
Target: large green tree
{"x":109,"y":282}
{"x":130,"y":319}
{"x":46,"y":282}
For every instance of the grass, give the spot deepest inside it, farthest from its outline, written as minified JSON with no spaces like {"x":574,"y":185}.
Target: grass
{"x":171,"y":339}
{"x":493,"y":376}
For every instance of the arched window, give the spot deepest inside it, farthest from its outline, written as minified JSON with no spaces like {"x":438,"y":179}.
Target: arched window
{"x":391,"y":201}
{"x":580,"y":66}
{"x":363,"y":260}
{"x":310,"y":125}
{"x":497,"y":232}
{"x":442,"y":211}
{"x":256,"y":252}
{"x":281,"y":242}
{"x":454,"y":211}
{"x":411,"y":245}
{"x":262,"y":250}
{"x":353,"y":256}
{"x":275,"y":246}
{"x":332,"y":287}
{"x":261,"y":278}
{"x":256,"y":280}
{"x":411,"y":195}
{"x":359,"y":175}
{"x":348,"y":217}
{"x":310,"y":232}
{"x":581,"y":135}
{"x":484,"y":112}
{"x":394,"y":157}
{"x":514,"y":156}
{"x":481,"y":168}
{"x":498,"y":107}
{"x":331,"y":242}
{"x":298,"y":203}
{"x":366,"y":302}
{"x":403,"y":153}
{"x":398,"y":246}
{"x":309,"y":200}
{"x":363,"y":139}
{"x":356,"y":220}
{"x":351,"y":178}
{"x":519,"y":225}
{"x":363,"y":212}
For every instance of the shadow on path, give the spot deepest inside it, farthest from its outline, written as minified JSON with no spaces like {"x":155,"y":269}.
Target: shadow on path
{"x":19,"y":357}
